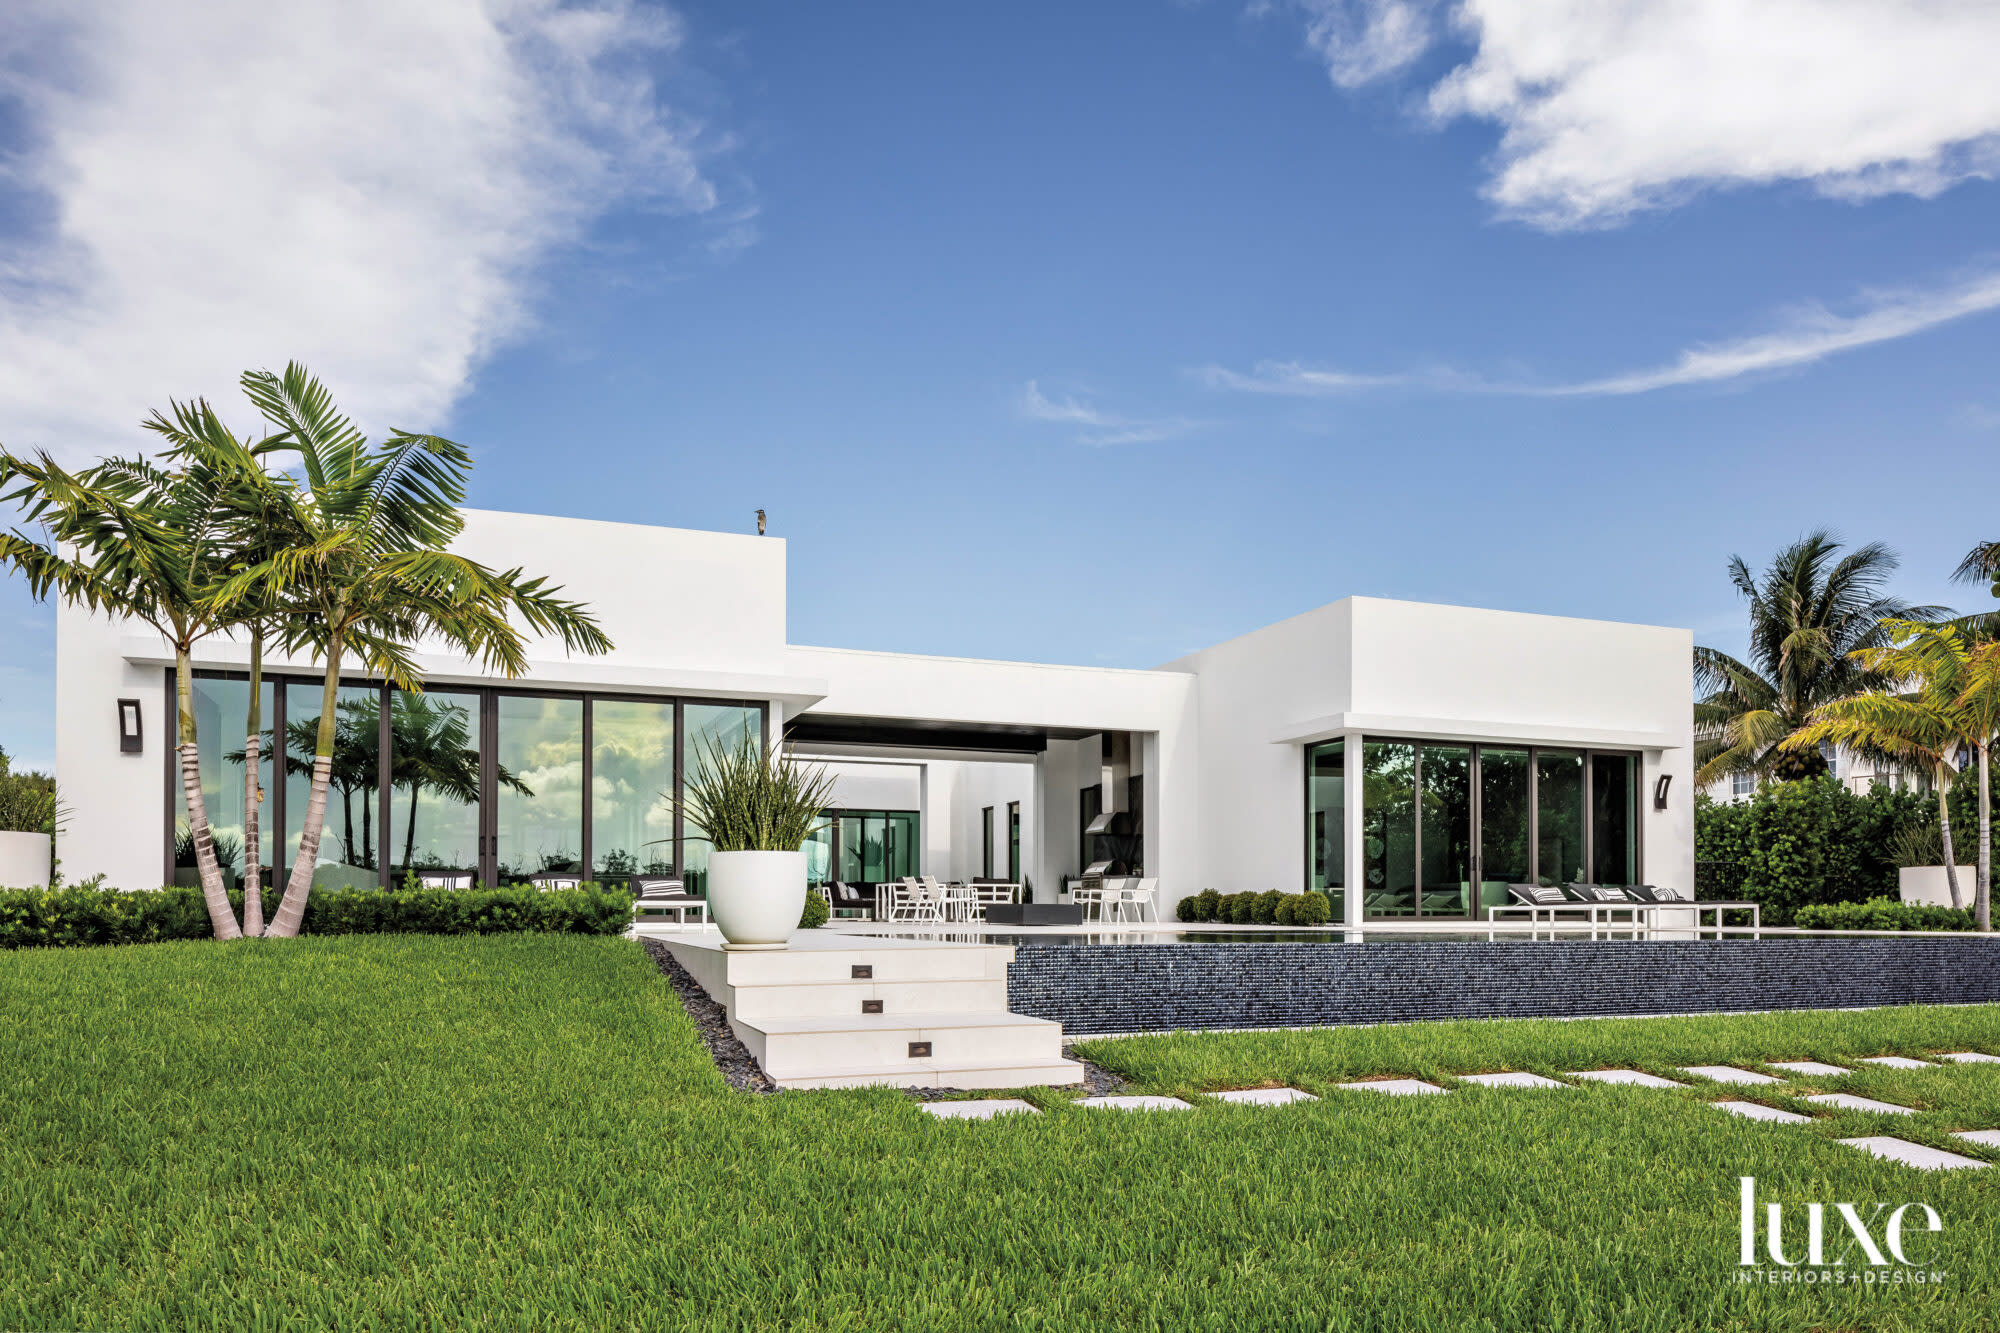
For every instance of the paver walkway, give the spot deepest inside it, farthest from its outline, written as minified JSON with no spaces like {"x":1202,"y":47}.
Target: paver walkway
{"x":1849,"y":1102}
{"x":1395,"y":1087}
{"x":1756,"y":1111}
{"x":1512,"y":1081}
{"x":1911,"y":1154}
{"x":1729,"y":1074}
{"x":1265,"y":1096}
{"x":1137,"y":1103}
{"x":978,"y":1110}
{"x":1629,"y":1076}
{"x":1812,"y":1067}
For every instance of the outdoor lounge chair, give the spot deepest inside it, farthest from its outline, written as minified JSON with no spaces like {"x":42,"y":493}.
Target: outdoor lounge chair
{"x":547,"y":882}
{"x":444,"y":879}
{"x":848,"y":901}
{"x":658,"y":893}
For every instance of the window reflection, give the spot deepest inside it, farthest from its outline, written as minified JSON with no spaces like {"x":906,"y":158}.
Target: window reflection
{"x":1388,"y":827}
{"x":1326,"y":815}
{"x":1559,"y":817}
{"x":539,"y":791}
{"x":222,"y":719}
{"x":631,"y":789}
{"x":434,"y":782}
{"x":347,"y":838}
{"x":711,"y":728}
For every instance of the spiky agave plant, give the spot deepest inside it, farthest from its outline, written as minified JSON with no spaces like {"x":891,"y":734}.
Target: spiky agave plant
{"x":746,"y":801}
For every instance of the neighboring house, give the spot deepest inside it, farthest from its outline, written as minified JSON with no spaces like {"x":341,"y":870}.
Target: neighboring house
{"x":1857,"y":773}
{"x":1492,"y":747}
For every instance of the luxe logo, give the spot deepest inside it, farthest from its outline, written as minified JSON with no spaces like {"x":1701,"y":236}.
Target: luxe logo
{"x":1880,"y":1241}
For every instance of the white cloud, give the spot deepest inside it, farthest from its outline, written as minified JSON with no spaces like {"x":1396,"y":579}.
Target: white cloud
{"x":365,"y":185}
{"x":1805,"y":335}
{"x":1099,"y":427}
{"x":1607,"y":107}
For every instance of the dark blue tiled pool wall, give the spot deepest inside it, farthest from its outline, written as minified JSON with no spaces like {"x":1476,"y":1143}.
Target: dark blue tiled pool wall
{"x":1136,"y":988}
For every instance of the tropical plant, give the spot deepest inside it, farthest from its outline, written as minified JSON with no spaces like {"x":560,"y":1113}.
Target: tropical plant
{"x":28,"y":801}
{"x":746,"y":801}
{"x":1981,"y":565}
{"x":1944,"y":698}
{"x":356,"y":556}
{"x":151,"y":544}
{"x":1811,"y":610}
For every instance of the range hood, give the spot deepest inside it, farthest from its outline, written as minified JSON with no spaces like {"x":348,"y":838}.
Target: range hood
{"x":1115,"y":819}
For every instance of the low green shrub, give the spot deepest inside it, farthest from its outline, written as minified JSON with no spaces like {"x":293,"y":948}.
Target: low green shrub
{"x":816,"y":913}
{"x":1311,"y":909}
{"x":1264,"y":910}
{"x":1242,"y":908}
{"x":1286,"y":905}
{"x":1883,"y":914}
{"x":83,"y":915}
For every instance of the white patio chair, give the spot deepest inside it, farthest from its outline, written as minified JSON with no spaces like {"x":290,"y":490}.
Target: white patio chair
{"x":939,"y":899}
{"x":1139,"y":896}
{"x":547,"y":882}
{"x":443,"y":879}
{"x":657,"y":893}
{"x":1088,"y":895}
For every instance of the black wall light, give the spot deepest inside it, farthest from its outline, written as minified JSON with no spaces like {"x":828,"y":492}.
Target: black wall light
{"x":131,"y":731}
{"x":1665,"y":781}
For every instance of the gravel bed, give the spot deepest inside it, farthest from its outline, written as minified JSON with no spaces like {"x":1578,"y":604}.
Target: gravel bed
{"x":738,"y":1066}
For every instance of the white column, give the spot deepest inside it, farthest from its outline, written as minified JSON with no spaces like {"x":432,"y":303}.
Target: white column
{"x":1350,"y":791}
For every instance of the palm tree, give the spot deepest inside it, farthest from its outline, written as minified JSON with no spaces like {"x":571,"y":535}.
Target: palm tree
{"x":360,"y":565}
{"x":1809,"y":614}
{"x":151,"y":544}
{"x":1981,"y":565}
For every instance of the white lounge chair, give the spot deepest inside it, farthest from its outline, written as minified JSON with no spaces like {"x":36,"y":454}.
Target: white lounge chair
{"x":660,"y":894}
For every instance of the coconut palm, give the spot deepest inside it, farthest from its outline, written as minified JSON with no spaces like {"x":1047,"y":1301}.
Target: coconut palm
{"x":1810,"y":612}
{"x":360,"y":563}
{"x":1981,"y":565}
{"x":152,"y":544}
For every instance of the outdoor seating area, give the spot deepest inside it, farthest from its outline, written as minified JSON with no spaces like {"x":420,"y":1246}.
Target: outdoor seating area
{"x":1642,"y":907}
{"x":926,"y":898}
{"x":660,"y":893}
{"x":1116,"y":898}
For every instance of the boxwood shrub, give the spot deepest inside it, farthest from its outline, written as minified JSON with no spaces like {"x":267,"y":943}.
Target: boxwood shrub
{"x":1883,"y":914}
{"x":816,"y":912}
{"x":1267,"y":908}
{"x":74,"y":916}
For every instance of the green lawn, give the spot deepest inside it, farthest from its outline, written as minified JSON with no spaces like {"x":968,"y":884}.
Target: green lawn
{"x":524,"y":1132}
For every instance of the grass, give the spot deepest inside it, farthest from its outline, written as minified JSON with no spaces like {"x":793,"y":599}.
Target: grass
{"x":393,"y":1132}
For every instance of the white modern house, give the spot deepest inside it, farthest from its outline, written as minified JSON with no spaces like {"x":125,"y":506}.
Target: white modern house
{"x":1490,"y":747}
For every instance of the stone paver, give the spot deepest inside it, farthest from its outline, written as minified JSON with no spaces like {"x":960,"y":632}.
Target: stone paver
{"x":1970,"y":1058}
{"x":1896,"y":1062}
{"x":1847,"y":1101}
{"x":1265,"y":1096}
{"x":1630,"y":1076}
{"x":1812,"y":1068}
{"x":1395,"y":1087}
{"x":1137,"y":1103}
{"x":1988,"y":1137}
{"x":1910,"y":1154}
{"x":979,"y":1110}
{"x":1755,"y":1111}
{"x":1512,"y":1081}
{"x":1729,"y":1074}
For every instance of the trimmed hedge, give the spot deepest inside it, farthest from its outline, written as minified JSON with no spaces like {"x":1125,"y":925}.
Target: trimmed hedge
{"x":1262,"y":909}
{"x":1883,"y":914}
{"x":58,"y":917}
{"x":816,"y":912}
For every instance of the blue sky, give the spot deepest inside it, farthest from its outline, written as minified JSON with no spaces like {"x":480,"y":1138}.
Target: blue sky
{"x":1061,"y":332}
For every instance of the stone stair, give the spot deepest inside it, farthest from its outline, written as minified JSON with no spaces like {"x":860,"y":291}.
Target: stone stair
{"x":842,"y":1011}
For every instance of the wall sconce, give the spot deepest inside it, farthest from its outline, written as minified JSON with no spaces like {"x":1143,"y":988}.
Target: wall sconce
{"x":1665,"y":781}
{"x":131,"y":732}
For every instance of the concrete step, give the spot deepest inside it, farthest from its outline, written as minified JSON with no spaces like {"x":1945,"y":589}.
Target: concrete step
{"x":905,"y":962}
{"x":834,"y":998}
{"x":937,"y":1074}
{"x":791,"y":1047}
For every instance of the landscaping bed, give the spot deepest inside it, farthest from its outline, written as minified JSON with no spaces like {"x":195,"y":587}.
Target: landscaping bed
{"x":526,"y":1131}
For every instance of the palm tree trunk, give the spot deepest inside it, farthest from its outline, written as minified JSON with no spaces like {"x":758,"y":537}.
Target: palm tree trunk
{"x":410,"y":833}
{"x":1944,"y":831}
{"x":253,"y":798}
{"x":1982,"y":892}
{"x":221,"y":916}
{"x":292,"y":910}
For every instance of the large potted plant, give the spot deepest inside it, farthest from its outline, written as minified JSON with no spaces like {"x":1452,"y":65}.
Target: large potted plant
{"x":27,"y":826}
{"x":757,"y":811}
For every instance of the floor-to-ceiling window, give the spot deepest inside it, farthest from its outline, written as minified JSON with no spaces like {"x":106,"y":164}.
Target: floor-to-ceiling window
{"x":538,"y":812}
{"x":1013,"y":842}
{"x":872,"y":846}
{"x":1326,"y":821}
{"x":1447,"y":827}
{"x":710,"y":730}
{"x":986,"y":842}
{"x":349,"y":841}
{"x":221,"y":722}
{"x":435,"y":782}
{"x":1614,"y":818}
{"x":631,"y":788}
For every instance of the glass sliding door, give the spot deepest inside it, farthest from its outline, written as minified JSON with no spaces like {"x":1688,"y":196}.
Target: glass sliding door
{"x":711,"y":729}
{"x":1614,"y":819}
{"x":631,"y":789}
{"x":1014,"y":842}
{"x":434,"y":782}
{"x":1389,"y":827}
{"x":901,"y":853}
{"x":221,"y":726}
{"x":1326,"y":821}
{"x":1445,"y":830}
{"x":350,"y":835}
{"x":818,"y":848}
{"x":1559,"y":817}
{"x":1505,"y":795}
{"x":538,"y":786}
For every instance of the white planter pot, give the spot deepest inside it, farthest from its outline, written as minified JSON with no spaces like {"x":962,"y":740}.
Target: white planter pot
{"x":756,"y":898}
{"x":1927,"y":884}
{"x":24,"y":861}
